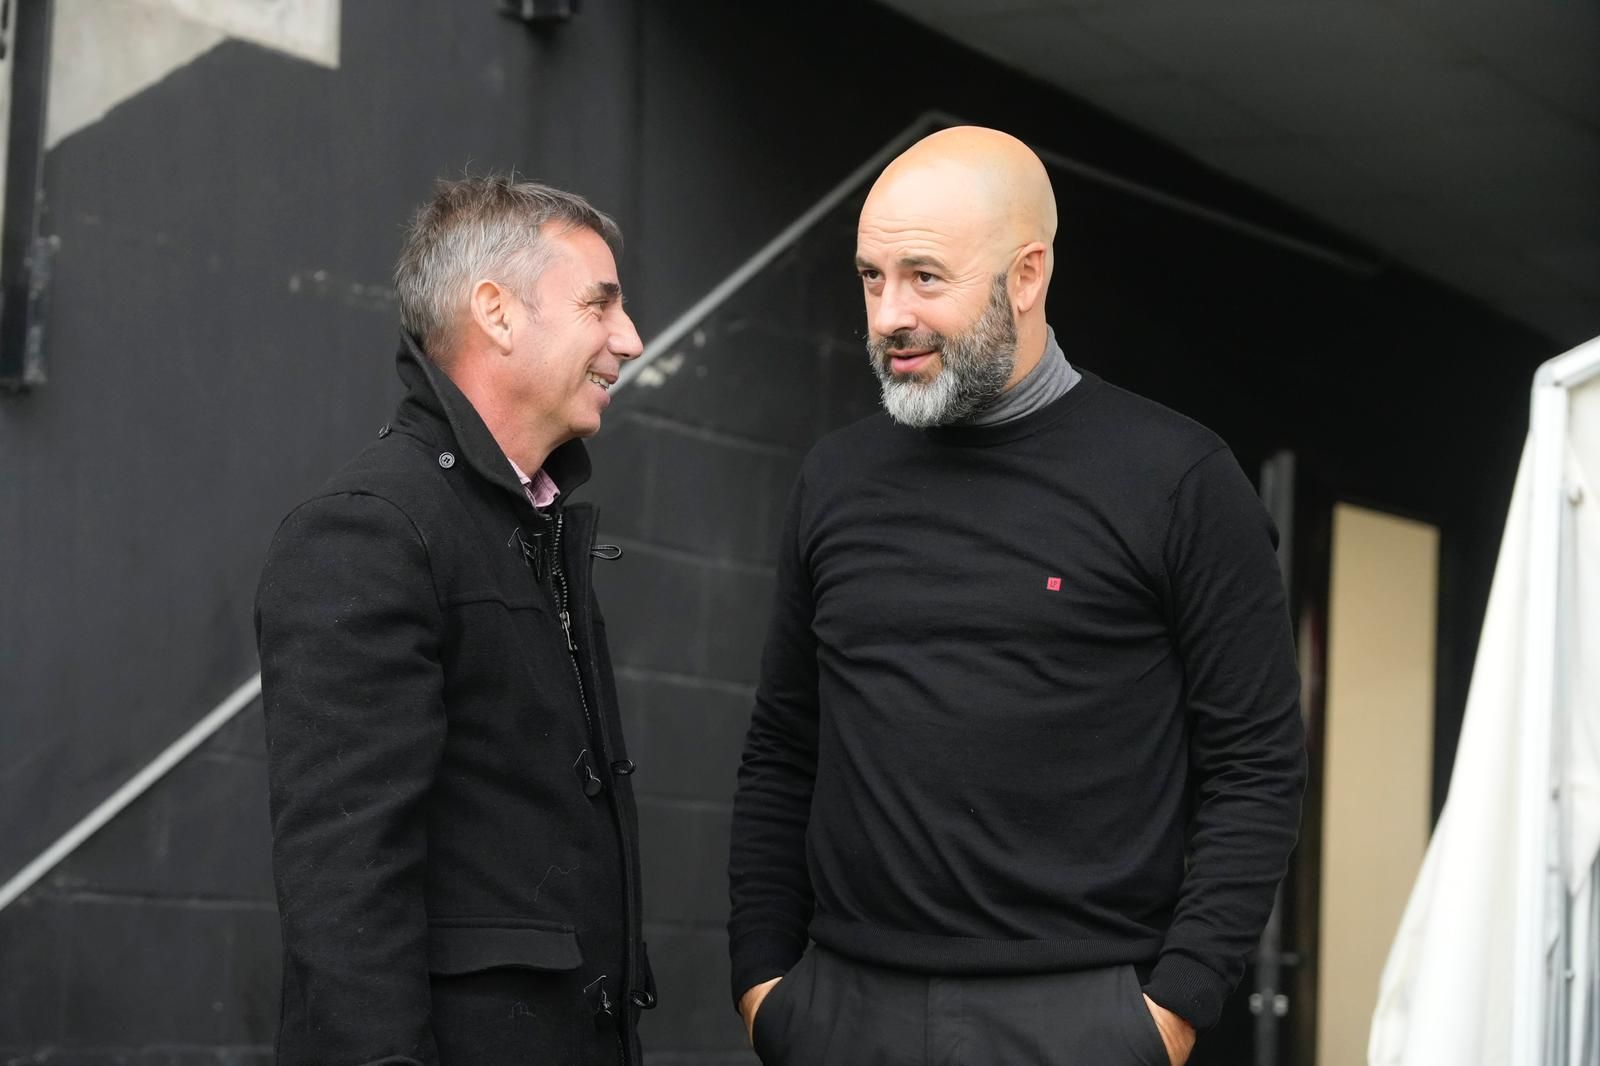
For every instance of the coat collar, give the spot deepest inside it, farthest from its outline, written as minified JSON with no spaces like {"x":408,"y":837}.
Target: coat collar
{"x":432,"y":397}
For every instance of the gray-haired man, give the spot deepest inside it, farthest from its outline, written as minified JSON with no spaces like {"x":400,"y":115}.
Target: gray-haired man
{"x":455,"y":840}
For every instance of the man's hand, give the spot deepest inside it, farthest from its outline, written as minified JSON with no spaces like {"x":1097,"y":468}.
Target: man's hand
{"x":1176,"y":1033}
{"x":750,"y":1002}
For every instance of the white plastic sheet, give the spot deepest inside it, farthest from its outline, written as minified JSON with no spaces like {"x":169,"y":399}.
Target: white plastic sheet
{"x":1452,"y":985}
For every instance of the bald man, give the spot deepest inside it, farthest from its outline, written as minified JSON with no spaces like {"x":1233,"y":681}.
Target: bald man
{"x":1025,"y":763}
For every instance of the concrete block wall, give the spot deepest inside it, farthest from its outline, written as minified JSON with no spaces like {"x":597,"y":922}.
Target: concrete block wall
{"x":156,"y":943}
{"x":693,"y":471}
{"x":220,"y":341}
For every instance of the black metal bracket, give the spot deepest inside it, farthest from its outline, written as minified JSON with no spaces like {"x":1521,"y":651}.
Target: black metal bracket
{"x":539,"y":12}
{"x":25,"y":256}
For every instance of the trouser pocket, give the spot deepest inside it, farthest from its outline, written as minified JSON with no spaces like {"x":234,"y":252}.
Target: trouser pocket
{"x":1143,"y":1034}
{"x":769,"y":1035}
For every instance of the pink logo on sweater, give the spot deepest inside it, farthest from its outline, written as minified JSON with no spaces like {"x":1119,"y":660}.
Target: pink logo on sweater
{"x":1053,"y":584}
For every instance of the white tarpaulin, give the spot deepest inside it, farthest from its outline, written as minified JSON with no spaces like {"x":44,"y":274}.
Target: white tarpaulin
{"x":1502,"y":910}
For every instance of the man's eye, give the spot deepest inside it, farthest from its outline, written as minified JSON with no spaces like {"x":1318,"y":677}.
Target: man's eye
{"x":868,"y":275}
{"x":925,"y":278}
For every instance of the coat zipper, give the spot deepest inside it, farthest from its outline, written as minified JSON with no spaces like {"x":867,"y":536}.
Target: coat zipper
{"x":558,"y":571}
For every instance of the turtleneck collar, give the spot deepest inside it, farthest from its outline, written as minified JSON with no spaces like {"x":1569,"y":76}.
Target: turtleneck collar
{"x":1044,"y":384}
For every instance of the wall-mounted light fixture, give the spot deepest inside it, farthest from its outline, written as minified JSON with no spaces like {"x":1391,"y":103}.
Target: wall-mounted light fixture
{"x":539,"y":12}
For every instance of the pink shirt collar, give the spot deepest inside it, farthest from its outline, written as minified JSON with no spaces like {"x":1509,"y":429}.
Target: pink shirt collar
{"x":541,"y":490}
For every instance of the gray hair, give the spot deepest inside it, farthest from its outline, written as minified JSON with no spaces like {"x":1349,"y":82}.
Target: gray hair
{"x":974,"y":367}
{"x":492,"y":227}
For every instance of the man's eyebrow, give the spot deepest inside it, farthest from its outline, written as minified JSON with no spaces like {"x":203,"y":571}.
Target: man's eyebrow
{"x":603,"y":292}
{"x":908,"y":262}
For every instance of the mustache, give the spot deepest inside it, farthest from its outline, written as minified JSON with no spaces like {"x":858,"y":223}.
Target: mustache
{"x":880,"y":346}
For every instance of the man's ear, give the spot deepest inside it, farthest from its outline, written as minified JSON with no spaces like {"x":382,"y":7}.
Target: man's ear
{"x":1031,"y":274}
{"x":490,"y":306}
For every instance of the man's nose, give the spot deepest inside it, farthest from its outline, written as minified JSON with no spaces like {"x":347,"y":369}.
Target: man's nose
{"x":891,"y":314}
{"x":625,"y":342}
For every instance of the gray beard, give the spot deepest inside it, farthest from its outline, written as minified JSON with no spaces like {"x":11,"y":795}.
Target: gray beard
{"x":973,"y":368}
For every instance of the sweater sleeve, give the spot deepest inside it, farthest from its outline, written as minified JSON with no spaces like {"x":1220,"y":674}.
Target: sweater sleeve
{"x":769,"y":885}
{"x":348,"y":626}
{"x":1246,"y":746}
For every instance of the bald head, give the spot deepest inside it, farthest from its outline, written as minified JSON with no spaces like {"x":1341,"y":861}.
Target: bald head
{"x":954,"y":249}
{"x":979,"y":183}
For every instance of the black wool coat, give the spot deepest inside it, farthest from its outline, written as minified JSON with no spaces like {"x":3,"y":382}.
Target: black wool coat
{"x":454,"y":830}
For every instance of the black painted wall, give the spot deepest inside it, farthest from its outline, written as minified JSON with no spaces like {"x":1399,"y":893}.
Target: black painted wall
{"x":220,"y":340}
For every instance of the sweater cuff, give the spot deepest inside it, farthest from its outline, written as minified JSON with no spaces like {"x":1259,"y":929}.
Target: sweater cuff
{"x":761,"y":955}
{"x":1189,"y":989}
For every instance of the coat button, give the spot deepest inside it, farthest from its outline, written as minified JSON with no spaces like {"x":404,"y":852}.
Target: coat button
{"x":383,"y":431}
{"x":587,"y":779}
{"x":643,"y":999}
{"x":623,"y":768}
{"x":447,"y":459}
{"x":599,"y":998}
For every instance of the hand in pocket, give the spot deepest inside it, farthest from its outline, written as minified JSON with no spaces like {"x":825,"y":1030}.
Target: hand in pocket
{"x":1177,"y":1034}
{"x":750,"y":1003}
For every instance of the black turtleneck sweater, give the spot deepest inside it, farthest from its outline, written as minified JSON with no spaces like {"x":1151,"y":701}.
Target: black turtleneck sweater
{"x":1028,"y":703}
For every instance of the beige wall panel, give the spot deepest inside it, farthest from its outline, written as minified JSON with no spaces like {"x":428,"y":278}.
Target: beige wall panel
{"x":1379,"y":757}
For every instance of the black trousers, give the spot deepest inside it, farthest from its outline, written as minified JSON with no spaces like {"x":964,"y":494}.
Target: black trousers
{"x":832,"y":1011}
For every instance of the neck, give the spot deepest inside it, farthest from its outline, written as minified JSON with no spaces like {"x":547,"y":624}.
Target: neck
{"x":1050,"y":379}
{"x":524,"y":445}
{"x":1032,"y":335}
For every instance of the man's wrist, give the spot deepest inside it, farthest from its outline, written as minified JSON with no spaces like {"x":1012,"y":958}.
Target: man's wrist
{"x":1191,"y":990}
{"x":758,"y":957}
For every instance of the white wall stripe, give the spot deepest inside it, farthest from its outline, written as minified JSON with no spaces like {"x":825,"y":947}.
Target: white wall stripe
{"x":675,"y":331}
{"x":724,"y":289}
{"x":131,"y":790}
